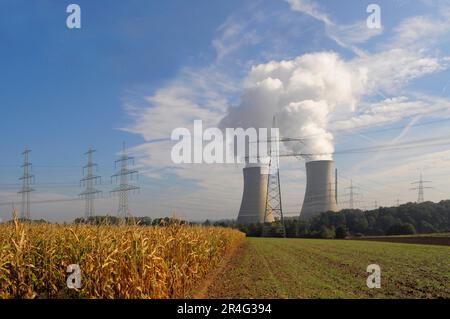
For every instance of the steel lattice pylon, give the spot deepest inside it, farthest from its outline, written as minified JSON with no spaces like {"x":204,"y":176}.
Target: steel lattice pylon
{"x":27,"y":180}
{"x":124,"y":175}
{"x":420,"y":188}
{"x":274,"y":205}
{"x":89,"y":181}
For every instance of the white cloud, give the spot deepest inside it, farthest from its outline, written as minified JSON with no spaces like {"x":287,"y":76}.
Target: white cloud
{"x":420,"y":31}
{"x":394,"y":109}
{"x":233,"y":35}
{"x":393,"y":69}
{"x":316,"y":88}
{"x":310,"y":8}
{"x":194,"y":94}
{"x":347,"y":36}
{"x":302,"y":93}
{"x":356,"y":33}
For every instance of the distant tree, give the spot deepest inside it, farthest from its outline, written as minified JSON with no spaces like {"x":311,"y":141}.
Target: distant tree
{"x":385,"y":221}
{"x":401,"y":229}
{"x":253,"y":230}
{"x":291,"y":227}
{"x":357,"y":222}
{"x":303,"y":229}
{"x":327,"y":233}
{"x":426,"y":227}
{"x":341,"y":232}
{"x":408,"y":218}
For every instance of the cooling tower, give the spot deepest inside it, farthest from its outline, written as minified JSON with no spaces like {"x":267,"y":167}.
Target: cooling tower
{"x":253,"y":205}
{"x":320,"y":195}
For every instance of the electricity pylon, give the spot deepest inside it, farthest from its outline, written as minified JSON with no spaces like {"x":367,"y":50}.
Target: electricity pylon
{"x":273,"y":196}
{"x":27,"y":179}
{"x":123,"y":176}
{"x":352,"y":194}
{"x":89,"y":181}
{"x":420,"y":188}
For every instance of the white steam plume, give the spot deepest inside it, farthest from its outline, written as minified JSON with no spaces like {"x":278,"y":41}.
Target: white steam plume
{"x":303,"y":93}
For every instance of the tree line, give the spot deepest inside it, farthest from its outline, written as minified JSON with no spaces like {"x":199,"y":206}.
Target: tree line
{"x":406,"y":219}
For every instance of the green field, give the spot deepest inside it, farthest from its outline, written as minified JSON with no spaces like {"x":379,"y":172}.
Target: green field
{"x":309,"y":268}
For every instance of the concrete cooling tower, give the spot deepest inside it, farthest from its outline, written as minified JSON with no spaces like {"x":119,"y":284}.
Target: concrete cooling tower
{"x":320,"y":194}
{"x":253,"y":205}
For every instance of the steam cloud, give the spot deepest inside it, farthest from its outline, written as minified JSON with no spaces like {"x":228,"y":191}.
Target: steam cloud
{"x":304,"y":94}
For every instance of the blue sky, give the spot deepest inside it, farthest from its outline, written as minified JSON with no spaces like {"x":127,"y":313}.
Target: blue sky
{"x":137,"y":70}
{"x":66,"y":86}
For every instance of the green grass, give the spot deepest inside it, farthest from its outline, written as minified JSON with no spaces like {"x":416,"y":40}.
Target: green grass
{"x":308,"y":268}
{"x":414,"y":235}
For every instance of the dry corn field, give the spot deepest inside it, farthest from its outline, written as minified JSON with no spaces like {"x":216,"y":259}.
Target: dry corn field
{"x":115,"y":261}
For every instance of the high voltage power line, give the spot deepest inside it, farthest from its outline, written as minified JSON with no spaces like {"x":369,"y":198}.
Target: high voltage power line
{"x":123,"y":176}
{"x":351,"y":195}
{"x":27,"y":178}
{"x":381,"y":148}
{"x":46,"y":201}
{"x":273,"y":203}
{"x":368,"y":189}
{"x":420,"y":188}
{"x":362,"y":127}
{"x":89,"y":181}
